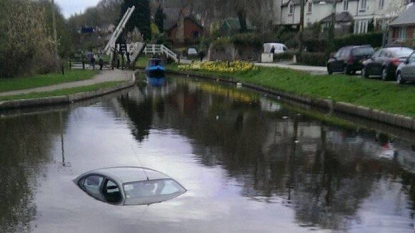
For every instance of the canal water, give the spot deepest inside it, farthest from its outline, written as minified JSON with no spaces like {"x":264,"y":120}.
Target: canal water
{"x":249,"y":164}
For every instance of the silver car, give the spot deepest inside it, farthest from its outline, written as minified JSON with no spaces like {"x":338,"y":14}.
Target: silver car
{"x":406,"y":70}
{"x":129,"y":185}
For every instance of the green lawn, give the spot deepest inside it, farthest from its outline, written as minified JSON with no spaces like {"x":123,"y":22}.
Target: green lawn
{"x":13,"y":84}
{"x":372,"y":93}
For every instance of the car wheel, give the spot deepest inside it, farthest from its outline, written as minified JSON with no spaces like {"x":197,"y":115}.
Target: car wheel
{"x":384,"y":74}
{"x":329,"y":70}
{"x":364,"y":73}
{"x":347,"y":70}
{"x":399,"y":79}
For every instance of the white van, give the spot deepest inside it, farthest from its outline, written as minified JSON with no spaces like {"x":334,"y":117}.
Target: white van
{"x":278,"y":48}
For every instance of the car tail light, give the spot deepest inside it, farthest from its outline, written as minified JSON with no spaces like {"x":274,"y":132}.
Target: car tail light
{"x":350,"y":59}
{"x":396,"y":61}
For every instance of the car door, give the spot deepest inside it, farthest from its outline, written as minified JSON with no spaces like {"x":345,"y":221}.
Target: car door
{"x":380,"y":61}
{"x":408,"y":70}
{"x":372,"y":65}
{"x":337,"y":64}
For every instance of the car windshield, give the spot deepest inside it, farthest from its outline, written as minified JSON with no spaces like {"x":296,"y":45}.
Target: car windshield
{"x":363,"y":51}
{"x":191,"y":50}
{"x":402,"y":52}
{"x":151,"y":191}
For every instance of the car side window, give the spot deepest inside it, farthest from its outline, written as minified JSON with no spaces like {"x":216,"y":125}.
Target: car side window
{"x":376,"y":54}
{"x":412,"y":58}
{"x":92,"y":183}
{"x":337,"y":55}
{"x":111,"y":192}
{"x":343,"y":52}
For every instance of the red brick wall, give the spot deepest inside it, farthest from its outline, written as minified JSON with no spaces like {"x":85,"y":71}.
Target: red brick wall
{"x":189,"y":31}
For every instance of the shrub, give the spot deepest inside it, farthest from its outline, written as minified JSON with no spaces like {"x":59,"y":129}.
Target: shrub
{"x":312,"y":59}
{"x":373,"y":39}
{"x":247,"y":39}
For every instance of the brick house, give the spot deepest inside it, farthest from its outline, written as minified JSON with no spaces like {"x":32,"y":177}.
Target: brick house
{"x":186,"y":30}
{"x":402,"y":29}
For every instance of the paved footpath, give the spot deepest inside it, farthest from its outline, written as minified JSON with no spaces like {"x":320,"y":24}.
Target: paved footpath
{"x":103,"y":76}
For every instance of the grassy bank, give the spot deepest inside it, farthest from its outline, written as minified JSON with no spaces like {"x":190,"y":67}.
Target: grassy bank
{"x":372,"y":93}
{"x":14,"y":84}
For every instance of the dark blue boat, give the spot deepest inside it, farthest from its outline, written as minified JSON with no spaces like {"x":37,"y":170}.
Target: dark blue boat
{"x":155,"y":72}
{"x":155,"y":68}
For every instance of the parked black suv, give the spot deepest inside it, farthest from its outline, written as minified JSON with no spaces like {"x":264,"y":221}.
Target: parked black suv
{"x":349,"y":59}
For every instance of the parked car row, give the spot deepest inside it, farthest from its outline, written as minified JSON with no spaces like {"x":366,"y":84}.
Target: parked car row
{"x":389,"y":63}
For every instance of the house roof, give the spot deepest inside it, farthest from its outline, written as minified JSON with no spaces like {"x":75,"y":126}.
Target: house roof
{"x":405,"y":18}
{"x":187,"y":18}
{"x":343,"y":17}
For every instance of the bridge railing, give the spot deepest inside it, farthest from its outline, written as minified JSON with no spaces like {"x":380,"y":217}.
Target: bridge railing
{"x":158,"y":49}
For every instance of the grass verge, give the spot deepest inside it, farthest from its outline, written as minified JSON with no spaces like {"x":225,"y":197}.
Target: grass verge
{"x":372,"y":93}
{"x":14,"y":84}
{"x":62,"y":92}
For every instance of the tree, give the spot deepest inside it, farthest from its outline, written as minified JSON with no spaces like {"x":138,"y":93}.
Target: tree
{"x":159,"y":18}
{"x":140,"y":17}
{"x":25,"y":45}
{"x":242,"y":21}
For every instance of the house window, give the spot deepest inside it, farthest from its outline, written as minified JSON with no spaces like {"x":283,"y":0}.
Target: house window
{"x":346,"y":5}
{"x":363,"y":4}
{"x":310,"y":7}
{"x":381,"y":4}
{"x":291,"y":8}
{"x":402,"y":33}
{"x":361,"y":26}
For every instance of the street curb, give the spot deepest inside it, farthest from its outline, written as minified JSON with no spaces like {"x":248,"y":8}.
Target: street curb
{"x":65,"y":99}
{"x":397,"y":120}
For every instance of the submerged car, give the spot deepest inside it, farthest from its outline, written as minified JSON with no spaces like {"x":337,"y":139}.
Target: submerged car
{"x":129,"y":185}
{"x":349,"y":59}
{"x":383,"y":63}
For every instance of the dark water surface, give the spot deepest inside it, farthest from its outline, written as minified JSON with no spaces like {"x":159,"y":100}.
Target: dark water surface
{"x":249,"y":164}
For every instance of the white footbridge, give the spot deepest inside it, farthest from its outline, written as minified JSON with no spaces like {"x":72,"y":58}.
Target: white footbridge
{"x":136,"y":48}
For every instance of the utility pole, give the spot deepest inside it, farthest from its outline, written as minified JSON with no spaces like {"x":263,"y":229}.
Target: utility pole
{"x":301,"y":39}
{"x":55,"y":35}
{"x":333,"y":22}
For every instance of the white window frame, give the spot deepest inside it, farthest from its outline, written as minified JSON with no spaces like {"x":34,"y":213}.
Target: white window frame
{"x":402,"y":33}
{"x":361,"y":26}
{"x":345,"y":5}
{"x":363,"y":5}
{"x":309,"y":7}
{"x":290,"y":9}
{"x":381,"y":4}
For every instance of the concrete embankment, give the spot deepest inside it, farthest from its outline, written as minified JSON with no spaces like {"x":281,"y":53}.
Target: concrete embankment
{"x":126,"y":77}
{"x":395,"y":120}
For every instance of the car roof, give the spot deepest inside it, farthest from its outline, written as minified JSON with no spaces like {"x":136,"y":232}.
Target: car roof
{"x":397,"y":48}
{"x":356,"y":46}
{"x":127,"y":174}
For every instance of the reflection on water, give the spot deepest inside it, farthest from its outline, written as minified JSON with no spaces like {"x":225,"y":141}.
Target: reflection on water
{"x":249,"y":164}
